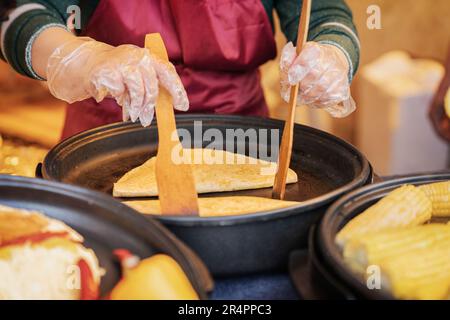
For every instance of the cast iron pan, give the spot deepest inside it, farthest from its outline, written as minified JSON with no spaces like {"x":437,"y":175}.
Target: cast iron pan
{"x":105,"y":224}
{"x":327,"y":167}
{"x":343,"y":211}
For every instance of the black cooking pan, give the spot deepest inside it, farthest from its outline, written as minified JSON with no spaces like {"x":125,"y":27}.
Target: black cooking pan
{"x":313,"y":279}
{"x":327,"y":167}
{"x":340,"y":213}
{"x":105,"y":224}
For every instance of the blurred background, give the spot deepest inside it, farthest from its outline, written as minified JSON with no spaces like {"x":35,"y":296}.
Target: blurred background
{"x":402,"y":65}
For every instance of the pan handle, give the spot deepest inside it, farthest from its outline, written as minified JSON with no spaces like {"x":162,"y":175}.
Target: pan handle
{"x":38,"y":171}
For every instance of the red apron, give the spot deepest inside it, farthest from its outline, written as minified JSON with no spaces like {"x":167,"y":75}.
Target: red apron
{"x":216,"y":46}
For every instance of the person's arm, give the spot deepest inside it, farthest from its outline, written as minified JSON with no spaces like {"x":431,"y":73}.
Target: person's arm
{"x":44,"y":46}
{"x":326,"y":64}
{"x":36,"y":42}
{"x":23,"y":28}
{"x":331,"y":23}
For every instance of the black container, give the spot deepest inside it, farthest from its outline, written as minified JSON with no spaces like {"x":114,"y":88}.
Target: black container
{"x":313,"y":279}
{"x":327,"y":167}
{"x":340,"y":213}
{"x":105,"y":224}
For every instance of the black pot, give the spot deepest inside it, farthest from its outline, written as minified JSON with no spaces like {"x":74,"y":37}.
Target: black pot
{"x":105,"y":224}
{"x":327,"y":168}
{"x":312,"y":277}
{"x":339,"y":214}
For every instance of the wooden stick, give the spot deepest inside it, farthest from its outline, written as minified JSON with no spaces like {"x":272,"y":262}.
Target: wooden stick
{"x":176,"y":185}
{"x":284,"y":156}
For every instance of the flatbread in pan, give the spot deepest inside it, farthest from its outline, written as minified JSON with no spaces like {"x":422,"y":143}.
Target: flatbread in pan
{"x":219,"y":206}
{"x":214,"y":171}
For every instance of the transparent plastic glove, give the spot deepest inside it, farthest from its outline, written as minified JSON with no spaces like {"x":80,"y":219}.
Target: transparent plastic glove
{"x":322,"y":71}
{"x":85,"y":68}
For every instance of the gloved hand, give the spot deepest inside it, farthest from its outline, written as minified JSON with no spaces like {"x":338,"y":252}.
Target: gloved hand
{"x":322,"y":71}
{"x":84,"y":68}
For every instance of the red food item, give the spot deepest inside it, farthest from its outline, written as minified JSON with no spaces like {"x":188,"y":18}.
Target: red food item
{"x":127,"y":260}
{"x":34,"y":238}
{"x":89,"y":288}
{"x":122,"y":254}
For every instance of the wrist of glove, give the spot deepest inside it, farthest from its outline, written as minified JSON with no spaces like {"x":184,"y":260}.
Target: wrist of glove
{"x":85,"y":68}
{"x":321,"y":70}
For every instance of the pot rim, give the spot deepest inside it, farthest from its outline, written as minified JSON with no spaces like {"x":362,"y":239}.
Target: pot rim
{"x":98,"y":133}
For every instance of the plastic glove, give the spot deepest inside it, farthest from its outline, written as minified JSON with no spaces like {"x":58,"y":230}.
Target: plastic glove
{"x":85,"y":68}
{"x":322,"y":71}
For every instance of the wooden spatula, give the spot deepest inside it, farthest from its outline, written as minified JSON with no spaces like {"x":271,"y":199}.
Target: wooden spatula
{"x":284,"y":156}
{"x":176,"y":185}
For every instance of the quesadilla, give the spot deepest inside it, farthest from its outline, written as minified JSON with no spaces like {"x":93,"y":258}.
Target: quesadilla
{"x":214,"y":171}
{"x":219,"y":206}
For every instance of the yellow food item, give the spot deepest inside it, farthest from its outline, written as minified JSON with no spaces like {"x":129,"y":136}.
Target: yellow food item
{"x":24,"y":224}
{"x":156,"y":278}
{"x":375,"y":248}
{"x":439,"y":194}
{"x":214,"y":171}
{"x":15,"y":223}
{"x":219,"y":206}
{"x":419,"y":274}
{"x":19,"y":159}
{"x":403,"y":207}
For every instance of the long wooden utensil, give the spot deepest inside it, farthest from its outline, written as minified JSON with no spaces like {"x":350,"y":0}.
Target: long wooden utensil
{"x":176,"y":185}
{"x":284,"y":156}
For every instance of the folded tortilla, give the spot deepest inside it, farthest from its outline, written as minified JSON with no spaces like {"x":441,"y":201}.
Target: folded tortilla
{"x":214,"y":171}
{"x":219,"y":206}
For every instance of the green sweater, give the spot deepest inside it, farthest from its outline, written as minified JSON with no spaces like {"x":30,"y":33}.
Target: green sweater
{"x":331,"y":22}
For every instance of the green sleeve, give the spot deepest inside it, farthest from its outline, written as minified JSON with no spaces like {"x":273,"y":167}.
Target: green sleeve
{"x":331,"y":22}
{"x":25,"y":23}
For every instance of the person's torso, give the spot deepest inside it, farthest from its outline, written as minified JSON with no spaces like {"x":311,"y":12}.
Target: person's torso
{"x":217,"y":46}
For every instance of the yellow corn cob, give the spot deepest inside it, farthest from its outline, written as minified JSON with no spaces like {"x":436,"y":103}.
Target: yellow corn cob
{"x":419,"y":274}
{"x":439,"y":194}
{"x":374,"y":248}
{"x":403,"y":207}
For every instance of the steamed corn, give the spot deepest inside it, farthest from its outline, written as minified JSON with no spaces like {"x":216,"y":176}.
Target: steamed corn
{"x":403,"y":207}
{"x":376,"y":248}
{"x":414,"y":262}
{"x":439,"y":194}
{"x":419,"y":274}
{"x":414,"y":259}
